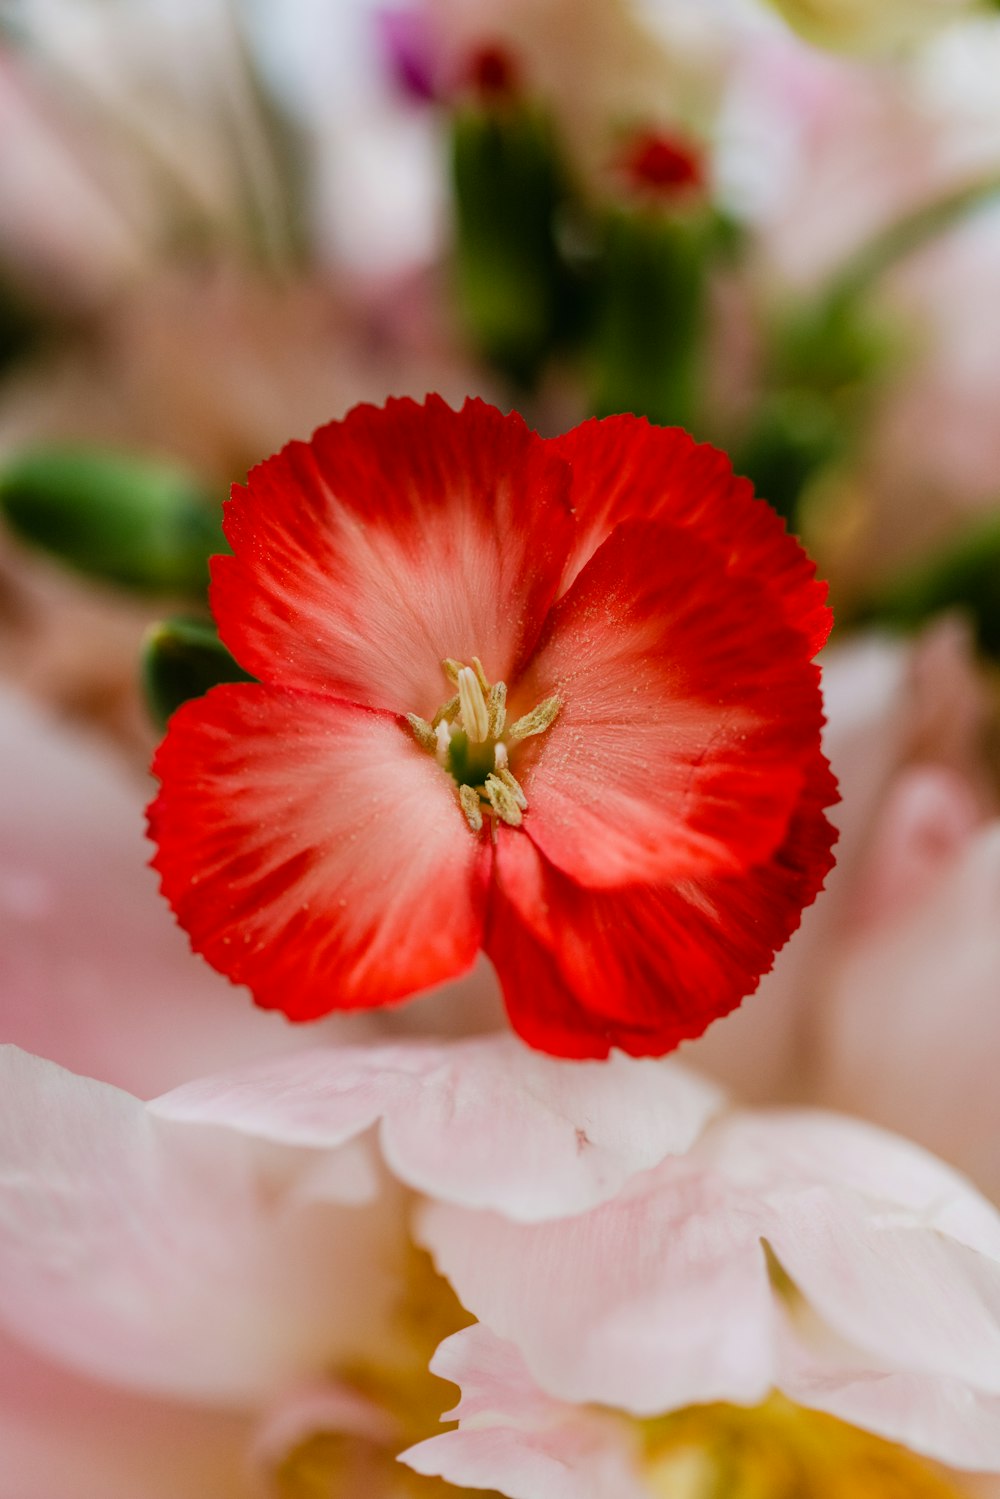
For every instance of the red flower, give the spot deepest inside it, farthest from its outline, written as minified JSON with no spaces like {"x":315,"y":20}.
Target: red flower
{"x":552,"y":698}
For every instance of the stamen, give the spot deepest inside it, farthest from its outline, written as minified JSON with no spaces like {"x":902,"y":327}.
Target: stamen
{"x":475,"y":718}
{"x":422,"y":732}
{"x":513,"y":785}
{"x":496,"y":706}
{"x":503,"y":801}
{"x":535,"y":722}
{"x":447,"y":711}
{"x":465,"y":737}
{"x":442,"y":741}
{"x":469,"y":798}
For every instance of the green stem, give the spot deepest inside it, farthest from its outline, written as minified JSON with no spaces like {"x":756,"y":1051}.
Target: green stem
{"x":910,"y":233}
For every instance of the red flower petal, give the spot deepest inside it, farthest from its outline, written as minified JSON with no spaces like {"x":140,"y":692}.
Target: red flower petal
{"x":646,"y":967}
{"x":393,"y":539}
{"x":626,"y":469}
{"x":313,"y":852}
{"x":688,"y":708}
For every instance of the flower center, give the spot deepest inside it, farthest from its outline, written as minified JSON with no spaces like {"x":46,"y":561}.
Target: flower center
{"x":779,"y":1449}
{"x":470,"y":738}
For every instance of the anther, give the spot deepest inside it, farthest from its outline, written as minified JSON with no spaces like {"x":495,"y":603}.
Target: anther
{"x":535,"y":722}
{"x":513,"y":785}
{"x":503,"y":801}
{"x":484,"y":680}
{"x":451,"y":668}
{"x":475,"y":717}
{"x":469,"y":798}
{"x":422,"y":732}
{"x":446,"y":711}
{"x":496,"y":707}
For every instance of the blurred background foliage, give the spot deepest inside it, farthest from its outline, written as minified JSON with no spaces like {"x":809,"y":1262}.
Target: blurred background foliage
{"x":224,"y":222}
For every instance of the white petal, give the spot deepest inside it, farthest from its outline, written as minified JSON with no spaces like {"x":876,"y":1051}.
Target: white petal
{"x":484,"y":1122}
{"x":173,"y":1257}
{"x":940,"y":1418}
{"x":657,"y":1299}
{"x":516,"y":1439}
{"x":897,"y":1253}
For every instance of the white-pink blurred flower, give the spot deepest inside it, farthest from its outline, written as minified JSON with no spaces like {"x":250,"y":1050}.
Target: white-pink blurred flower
{"x":820,"y":156}
{"x":220,"y":1291}
{"x":797,"y":1253}
{"x":233,"y":1268}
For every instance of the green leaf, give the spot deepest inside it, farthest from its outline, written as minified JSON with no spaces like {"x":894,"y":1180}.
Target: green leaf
{"x":181,"y":659}
{"x":125,"y":520}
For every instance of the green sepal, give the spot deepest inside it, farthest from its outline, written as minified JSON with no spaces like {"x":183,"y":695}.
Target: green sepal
{"x":182,"y":659}
{"x":963,"y":575}
{"x":516,"y":295}
{"x":650,"y":312}
{"x":144,"y":525}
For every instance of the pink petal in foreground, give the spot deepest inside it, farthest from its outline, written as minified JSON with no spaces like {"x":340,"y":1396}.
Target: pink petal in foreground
{"x":871,"y":1229}
{"x":881,"y":1278}
{"x":518,"y":1439}
{"x":483,"y":1123}
{"x":655,"y":1300}
{"x":940,"y":1417}
{"x":169,"y":1257}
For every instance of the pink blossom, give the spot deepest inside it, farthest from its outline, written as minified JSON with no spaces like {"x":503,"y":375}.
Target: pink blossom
{"x":229,"y":1271}
{"x":796,"y":1252}
{"x":238,"y":1256}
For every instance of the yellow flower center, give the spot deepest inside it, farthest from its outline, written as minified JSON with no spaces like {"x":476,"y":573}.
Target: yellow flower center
{"x":779,"y":1451}
{"x":471,"y":739}
{"x":401,"y":1388}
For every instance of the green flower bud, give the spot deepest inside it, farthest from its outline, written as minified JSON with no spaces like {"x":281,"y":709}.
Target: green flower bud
{"x":125,"y":520}
{"x":181,"y":659}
